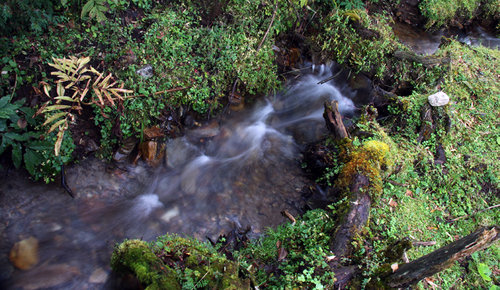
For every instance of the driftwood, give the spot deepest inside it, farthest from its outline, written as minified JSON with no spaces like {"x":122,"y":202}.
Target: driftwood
{"x":334,"y":120}
{"x":426,"y":61}
{"x":442,"y":258}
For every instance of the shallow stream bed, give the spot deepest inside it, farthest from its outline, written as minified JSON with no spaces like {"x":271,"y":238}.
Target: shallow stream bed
{"x":237,"y":172}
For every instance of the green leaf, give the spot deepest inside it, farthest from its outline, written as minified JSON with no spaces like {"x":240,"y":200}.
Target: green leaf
{"x":55,"y":107}
{"x":87,"y":7}
{"x":3,"y":125}
{"x":31,"y":160}
{"x":54,"y":117}
{"x":17,"y":154}
{"x":7,"y":111}
{"x":484,"y":271}
{"x":17,"y":137}
{"x":4,"y":101}
{"x":5,"y":142}
{"x":39,"y":145}
{"x":498,"y":140}
{"x":56,"y":125}
{"x":65,"y":98}
{"x":494,"y":287}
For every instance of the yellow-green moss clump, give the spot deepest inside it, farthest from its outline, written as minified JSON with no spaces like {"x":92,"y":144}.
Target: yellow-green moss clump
{"x":367,"y":160}
{"x":172,"y":262}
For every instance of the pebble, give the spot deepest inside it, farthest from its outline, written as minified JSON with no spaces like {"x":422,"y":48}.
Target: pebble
{"x":99,"y":276}
{"x":24,"y":254}
{"x":438,"y":99}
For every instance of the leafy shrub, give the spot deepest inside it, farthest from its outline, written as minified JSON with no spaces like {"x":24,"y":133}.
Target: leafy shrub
{"x":27,"y":145}
{"x":19,"y":16}
{"x":306,"y":245}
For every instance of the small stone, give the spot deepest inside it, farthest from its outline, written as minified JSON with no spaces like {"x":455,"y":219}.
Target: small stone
{"x":99,"y":276}
{"x":24,"y":254}
{"x":152,"y":153}
{"x":438,"y":99}
{"x":146,"y":71}
{"x":170,"y":214}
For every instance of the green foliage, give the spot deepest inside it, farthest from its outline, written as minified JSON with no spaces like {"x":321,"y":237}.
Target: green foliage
{"x":172,"y":262}
{"x":95,"y":9}
{"x":426,"y":194}
{"x":20,"y":16}
{"x":440,"y":12}
{"x":341,"y":42}
{"x":74,"y":75}
{"x":27,"y":146}
{"x":304,"y":265}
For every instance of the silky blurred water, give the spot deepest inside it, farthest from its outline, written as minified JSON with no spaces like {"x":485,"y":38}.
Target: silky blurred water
{"x":243,"y":175}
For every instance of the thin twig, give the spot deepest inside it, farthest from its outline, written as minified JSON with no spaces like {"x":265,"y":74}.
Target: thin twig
{"x":269,"y":27}
{"x":200,"y":280}
{"x":14,"y":89}
{"x":474,"y":213}
{"x":330,"y":78}
{"x":171,"y":90}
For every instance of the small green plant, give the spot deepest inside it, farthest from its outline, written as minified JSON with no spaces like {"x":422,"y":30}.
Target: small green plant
{"x":298,"y":253}
{"x":28,"y":146}
{"x":95,"y":9}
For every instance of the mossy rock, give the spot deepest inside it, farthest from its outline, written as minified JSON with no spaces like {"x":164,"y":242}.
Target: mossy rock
{"x":173,"y":262}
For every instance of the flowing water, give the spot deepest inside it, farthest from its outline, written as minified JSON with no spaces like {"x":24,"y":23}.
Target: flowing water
{"x":242,"y":176}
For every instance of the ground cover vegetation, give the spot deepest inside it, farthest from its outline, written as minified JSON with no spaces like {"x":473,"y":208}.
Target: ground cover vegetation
{"x":201,"y":52}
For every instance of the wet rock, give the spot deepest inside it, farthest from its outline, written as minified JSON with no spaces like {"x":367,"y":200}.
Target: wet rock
{"x":152,"y":133}
{"x":24,"y":254}
{"x":47,"y":276}
{"x":90,"y":146}
{"x":152,"y":152}
{"x":438,"y":99}
{"x":146,"y":71}
{"x":99,"y":276}
{"x":124,"y":152}
{"x":209,"y":130}
{"x":179,"y":152}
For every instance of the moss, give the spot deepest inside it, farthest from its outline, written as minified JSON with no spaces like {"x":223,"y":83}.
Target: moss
{"x":172,"y":261}
{"x":135,"y":256}
{"x":366,"y":160}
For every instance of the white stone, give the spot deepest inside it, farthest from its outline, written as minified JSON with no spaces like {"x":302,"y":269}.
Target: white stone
{"x":438,"y":99}
{"x":167,"y":216}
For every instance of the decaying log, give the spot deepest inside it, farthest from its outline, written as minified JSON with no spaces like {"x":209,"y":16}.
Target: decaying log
{"x":333,"y":120}
{"x":442,"y":258}
{"x":426,"y":61}
{"x":355,"y":218}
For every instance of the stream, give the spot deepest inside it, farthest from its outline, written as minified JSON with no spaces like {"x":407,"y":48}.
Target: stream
{"x":241,"y":176}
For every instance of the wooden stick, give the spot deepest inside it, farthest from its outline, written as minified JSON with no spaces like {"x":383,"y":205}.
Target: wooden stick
{"x":437,"y":261}
{"x":269,"y":27}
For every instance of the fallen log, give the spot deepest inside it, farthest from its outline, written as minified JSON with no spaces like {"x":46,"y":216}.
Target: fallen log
{"x":426,"y":61}
{"x":358,"y":181}
{"x":441,"y":259}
